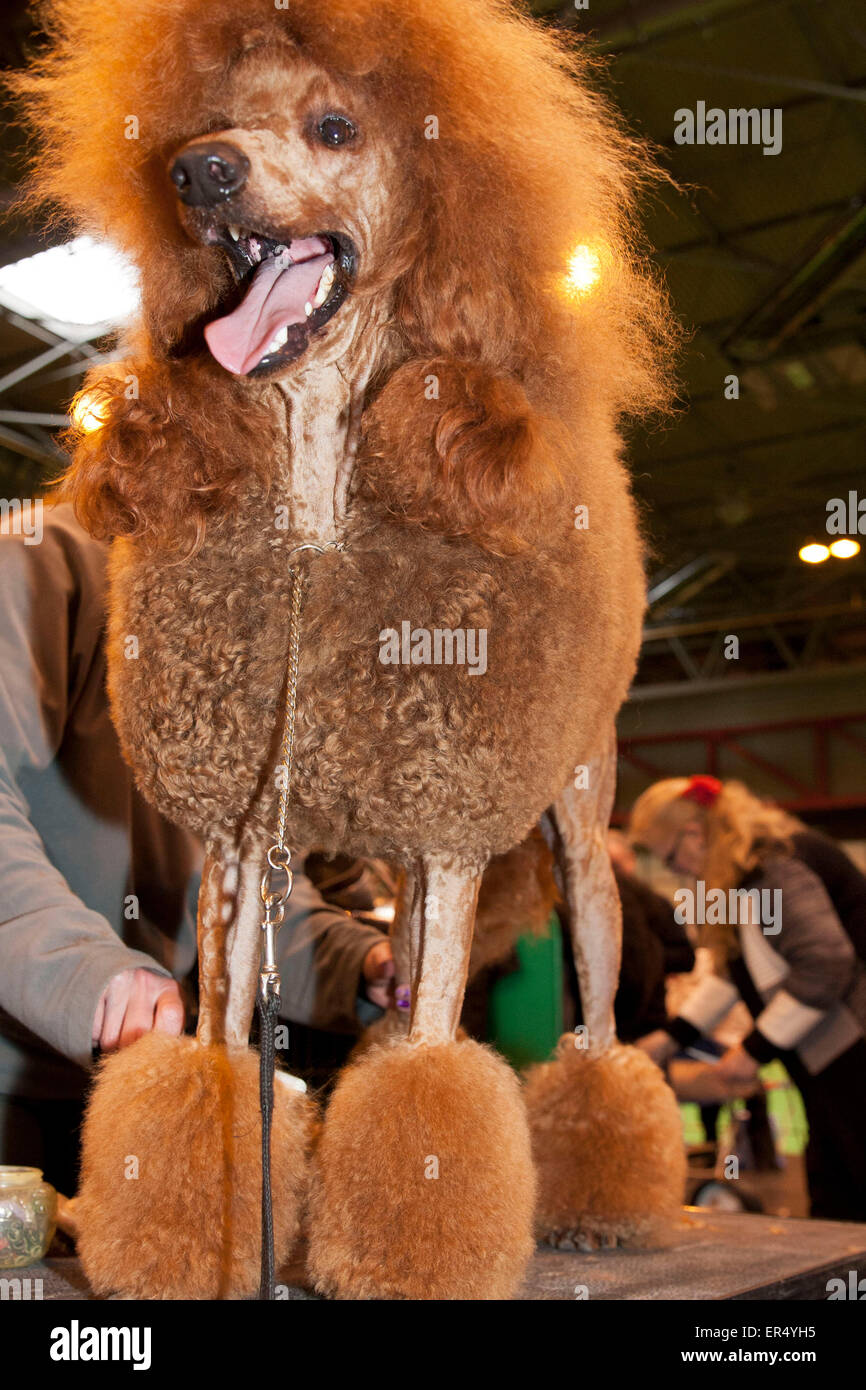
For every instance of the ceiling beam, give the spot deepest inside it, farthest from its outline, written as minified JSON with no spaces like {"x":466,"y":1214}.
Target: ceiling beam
{"x":737,"y":622}
{"x":33,"y":417}
{"x":22,"y":444}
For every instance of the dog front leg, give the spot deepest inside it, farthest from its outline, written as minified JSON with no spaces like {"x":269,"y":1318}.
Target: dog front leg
{"x":244,"y":944}
{"x":167,"y":1106}
{"x":439,"y":949}
{"x":424,"y":1185}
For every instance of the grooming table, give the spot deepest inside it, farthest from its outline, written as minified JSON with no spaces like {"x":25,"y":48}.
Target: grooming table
{"x":721,"y":1255}
{"x":718,"y":1256}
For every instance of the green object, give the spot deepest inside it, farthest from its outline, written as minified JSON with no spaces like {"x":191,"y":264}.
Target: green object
{"x":784,"y":1107}
{"x":786,"y":1110}
{"x":693,"y":1129}
{"x":524,"y":1011}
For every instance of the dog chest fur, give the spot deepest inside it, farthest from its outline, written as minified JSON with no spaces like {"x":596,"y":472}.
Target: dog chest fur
{"x":390,"y":759}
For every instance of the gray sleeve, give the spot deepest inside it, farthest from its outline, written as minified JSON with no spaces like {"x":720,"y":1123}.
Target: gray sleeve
{"x":320,"y":951}
{"x":56,"y":955}
{"x":812,"y":940}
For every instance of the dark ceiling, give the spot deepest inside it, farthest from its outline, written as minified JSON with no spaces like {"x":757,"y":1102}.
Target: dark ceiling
{"x":765,"y":256}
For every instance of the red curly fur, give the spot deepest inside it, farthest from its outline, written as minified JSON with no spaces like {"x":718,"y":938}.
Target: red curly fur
{"x":485,"y":403}
{"x":160,"y":437}
{"x":475,"y":461}
{"x":529,"y":163}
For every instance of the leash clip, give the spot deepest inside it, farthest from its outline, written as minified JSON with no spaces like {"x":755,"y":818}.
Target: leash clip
{"x":274,"y":901}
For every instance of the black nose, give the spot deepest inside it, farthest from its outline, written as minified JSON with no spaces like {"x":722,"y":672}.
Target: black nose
{"x":205,"y":175}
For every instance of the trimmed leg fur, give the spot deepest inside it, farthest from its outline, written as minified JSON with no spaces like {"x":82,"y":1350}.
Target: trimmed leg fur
{"x":169,"y":1205}
{"x":424,"y":1184}
{"x":608,"y":1146}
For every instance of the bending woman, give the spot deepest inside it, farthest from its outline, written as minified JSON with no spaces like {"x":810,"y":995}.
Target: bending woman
{"x":793,"y":951}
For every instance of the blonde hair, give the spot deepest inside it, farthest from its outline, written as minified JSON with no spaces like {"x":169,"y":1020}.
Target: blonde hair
{"x":741,"y":829}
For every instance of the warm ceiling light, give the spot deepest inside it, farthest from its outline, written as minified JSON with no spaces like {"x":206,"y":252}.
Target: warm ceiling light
{"x":814,"y":554}
{"x":584,"y":270}
{"x":88,"y":411}
{"x":845,"y":549}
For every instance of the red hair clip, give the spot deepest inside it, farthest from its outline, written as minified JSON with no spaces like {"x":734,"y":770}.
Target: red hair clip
{"x":704,"y":790}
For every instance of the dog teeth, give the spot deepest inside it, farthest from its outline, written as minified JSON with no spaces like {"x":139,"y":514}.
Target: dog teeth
{"x":324,"y":289}
{"x":279,"y":340}
{"x":325,"y":286}
{"x":234,"y":233}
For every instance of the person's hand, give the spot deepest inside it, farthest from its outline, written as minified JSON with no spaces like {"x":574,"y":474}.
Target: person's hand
{"x":133,"y":1003}
{"x":378,"y":972}
{"x":739,"y":1070}
{"x":658,"y":1045}
{"x":701,"y":1082}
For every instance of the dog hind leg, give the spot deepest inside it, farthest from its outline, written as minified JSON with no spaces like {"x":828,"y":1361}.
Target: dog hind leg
{"x":606,"y":1130}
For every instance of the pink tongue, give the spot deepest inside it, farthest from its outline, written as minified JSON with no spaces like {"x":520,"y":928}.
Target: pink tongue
{"x":275,"y":298}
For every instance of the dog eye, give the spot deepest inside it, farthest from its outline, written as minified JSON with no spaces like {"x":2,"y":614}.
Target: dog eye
{"x":335,"y":130}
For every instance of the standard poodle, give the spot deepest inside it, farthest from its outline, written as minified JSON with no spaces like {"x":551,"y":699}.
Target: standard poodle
{"x":393,"y":312}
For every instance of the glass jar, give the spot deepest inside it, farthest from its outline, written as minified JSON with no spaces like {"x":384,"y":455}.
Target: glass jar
{"x":28,"y":1216}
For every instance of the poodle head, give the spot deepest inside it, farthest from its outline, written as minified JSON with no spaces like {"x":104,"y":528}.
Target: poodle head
{"x":398,"y":186}
{"x":244,"y":156}
{"x":299,"y":197}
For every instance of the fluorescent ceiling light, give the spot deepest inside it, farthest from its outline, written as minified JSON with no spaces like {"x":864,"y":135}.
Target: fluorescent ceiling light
{"x":77,"y":290}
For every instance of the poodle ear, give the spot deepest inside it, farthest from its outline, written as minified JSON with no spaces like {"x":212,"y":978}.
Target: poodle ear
{"x":461,"y":451}
{"x":154,"y":455}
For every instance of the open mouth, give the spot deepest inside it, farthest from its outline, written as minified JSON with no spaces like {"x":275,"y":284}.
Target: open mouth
{"x":292,"y":288}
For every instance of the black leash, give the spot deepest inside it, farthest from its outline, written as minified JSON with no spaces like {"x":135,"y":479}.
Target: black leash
{"x":269,"y":1008}
{"x":276,"y":887}
{"x":277,"y":870}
